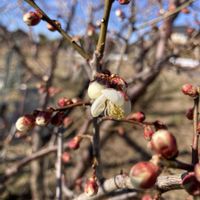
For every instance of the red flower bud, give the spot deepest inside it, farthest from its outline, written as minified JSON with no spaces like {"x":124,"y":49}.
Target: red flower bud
{"x":143,"y":175}
{"x":43,"y":118}
{"x":123,"y":2}
{"x":138,"y":116}
{"x":74,"y":143}
{"x":91,"y":187}
{"x":53,"y":28}
{"x":25,"y":123}
{"x":31,"y":18}
{"x":190,"y":90}
{"x":197,"y":171}
{"x":62,"y":102}
{"x":117,"y":82}
{"x":189,"y":113}
{"x":191,"y":184}
{"x":66,"y":157}
{"x":164,"y":143}
{"x":148,"y":132}
{"x":57,"y":119}
{"x":146,"y":197}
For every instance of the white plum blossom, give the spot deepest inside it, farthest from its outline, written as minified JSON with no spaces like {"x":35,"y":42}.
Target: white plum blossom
{"x":110,"y":102}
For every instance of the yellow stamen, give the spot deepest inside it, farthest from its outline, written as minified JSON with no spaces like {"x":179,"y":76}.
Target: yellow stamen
{"x":114,"y":111}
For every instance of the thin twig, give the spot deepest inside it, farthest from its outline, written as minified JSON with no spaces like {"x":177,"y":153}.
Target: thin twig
{"x":195,"y":156}
{"x":96,"y":149}
{"x":165,"y":16}
{"x":68,"y":38}
{"x":59,"y":165}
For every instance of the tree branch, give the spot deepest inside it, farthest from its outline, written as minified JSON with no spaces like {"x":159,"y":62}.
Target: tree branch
{"x":67,"y":37}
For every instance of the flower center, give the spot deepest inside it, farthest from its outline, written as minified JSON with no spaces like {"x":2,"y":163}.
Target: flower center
{"x":114,"y":111}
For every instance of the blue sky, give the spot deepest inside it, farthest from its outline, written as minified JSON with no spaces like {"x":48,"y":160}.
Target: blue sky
{"x":11,"y":15}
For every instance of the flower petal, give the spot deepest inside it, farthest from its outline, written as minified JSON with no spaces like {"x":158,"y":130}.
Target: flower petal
{"x":94,"y":90}
{"x":98,"y":106}
{"x":114,"y":96}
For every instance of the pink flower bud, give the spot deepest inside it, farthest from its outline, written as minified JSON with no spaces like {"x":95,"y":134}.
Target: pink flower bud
{"x":197,"y":171}
{"x":164,"y":143}
{"x":190,"y":90}
{"x":74,"y":143}
{"x":189,"y":113}
{"x":25,"y":123}
{"x":138,"y":116}
{"x":146,"y":197}
{"x":148,"y":132}
{"x":31,"y":18}
{"x":66,"y":157}
{"x":43,"y":118}
{"x":117,"y":82}
{"x":143,"y":175}
{"x":53,"y":28}
{"x":62,"y":102}
{"x":191,"y":184}
{"x":91,"y":187}
{"x":123,"y":2}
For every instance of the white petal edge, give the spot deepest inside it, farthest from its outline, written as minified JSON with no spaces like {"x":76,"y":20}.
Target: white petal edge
{"x":114,"y":96}
{"x":98,"y":106}
{"x":94,"y":90}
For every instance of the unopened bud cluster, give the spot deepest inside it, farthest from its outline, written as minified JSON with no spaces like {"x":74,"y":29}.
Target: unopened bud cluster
{"x":43,"y":118}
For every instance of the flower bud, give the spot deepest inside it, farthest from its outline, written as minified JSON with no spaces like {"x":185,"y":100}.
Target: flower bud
{"x":123,"y":2}
{"x":189,"y":113}
{"x":143,"y":175}
{"x":90,"y":30}
{"x":62,"y":102}
{"x":146,"y":197}
{"x":53,"y":28}
{"x":148,"y":132}
{"x":31,"y":18}
{"x":191,"y":185}
{"x":164,"y":143}
{"x":43,"y":118}
{"x":66,"y":157}
{"x":117,"y":82}
{"x":190,"y":90}
{"x":138,"y":116}
{"x":25,"y":123}
{"x":91,"y":187}
{"x":74,"y":143}
{"x":197,"y":171}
